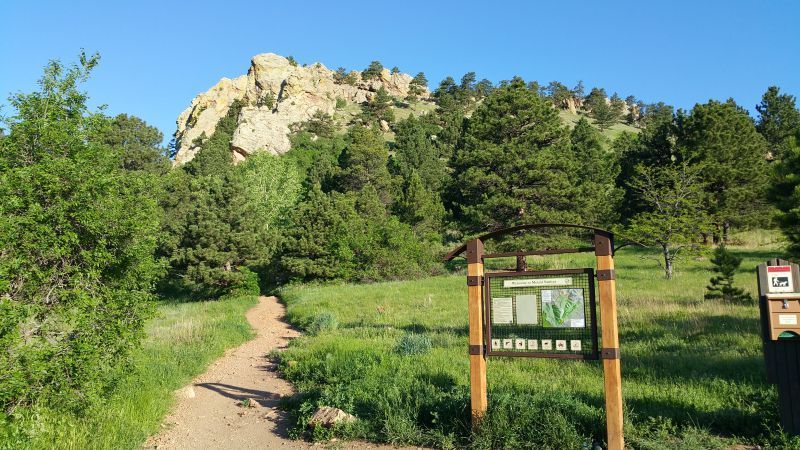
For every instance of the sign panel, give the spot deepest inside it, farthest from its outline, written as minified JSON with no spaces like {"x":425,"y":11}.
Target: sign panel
{"x":779,"y":279}
{"x":549,"y":313}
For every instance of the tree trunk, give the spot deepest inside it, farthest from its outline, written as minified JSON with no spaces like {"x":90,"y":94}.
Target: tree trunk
{"x":705,"y":238}
{"x":726,"y":232}
{"x":667,"y":261}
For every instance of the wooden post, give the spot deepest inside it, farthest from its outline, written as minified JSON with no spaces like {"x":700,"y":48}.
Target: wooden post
{"x":612,"y":376}
{"x":477,"y":361}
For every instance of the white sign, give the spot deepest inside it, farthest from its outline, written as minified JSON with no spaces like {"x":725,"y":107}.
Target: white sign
{"x":779,"y":279}
{"x":519,"y":344}
{"x":575,"y":345}
{"x":787,"y":319}
{"x":502,"y":310}
{"x":536,"y":282}
{"x":533,"y":344}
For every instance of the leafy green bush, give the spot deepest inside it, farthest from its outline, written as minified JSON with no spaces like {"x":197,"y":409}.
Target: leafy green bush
{"x":324,"y":321}
{"x":77,"y":234}
{"x":340,"y":103}
{"x":411,"y":344}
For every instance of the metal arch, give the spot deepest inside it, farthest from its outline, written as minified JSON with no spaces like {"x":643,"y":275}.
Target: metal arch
{"x":459,"y":250}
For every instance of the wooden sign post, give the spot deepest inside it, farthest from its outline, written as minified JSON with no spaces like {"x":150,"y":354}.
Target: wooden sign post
{"x":477,"y":360}
{"x":612,"y":375}
{"x":513,"y":314}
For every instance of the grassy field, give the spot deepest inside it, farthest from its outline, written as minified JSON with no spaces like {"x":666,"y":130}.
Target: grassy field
{"x":693,"y":374}
{"x":181,"y":341}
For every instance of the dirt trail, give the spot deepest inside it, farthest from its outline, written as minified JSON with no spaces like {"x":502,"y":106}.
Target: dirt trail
{"x":208,"y":414}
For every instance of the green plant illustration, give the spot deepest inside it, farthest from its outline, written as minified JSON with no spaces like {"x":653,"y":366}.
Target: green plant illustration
{"x":557,"y":311}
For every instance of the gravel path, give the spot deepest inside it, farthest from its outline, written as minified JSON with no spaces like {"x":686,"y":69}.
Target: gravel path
{"x":208,"y":414}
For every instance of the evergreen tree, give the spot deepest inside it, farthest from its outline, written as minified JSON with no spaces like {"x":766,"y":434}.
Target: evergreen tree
{"x":558,"y":94}
{"x":779,"y":121}
{"x":415,"y":151}
{"x":421,"y":208}
{"x":215,"y":156}
{"x":379,"y":107}
{"x":654,"y":146}
{"x":724,"y":139}
{"x":364,"y":162}
{"x":513,"y":165}
{"x":600,"y":109}
{"x":721,"y":286}
{"x":417,"y":87}
{"x":349,"y":236}
{"x":785,"y":195}
{"x":599,"y":171}
{"x":138,"y":143}
{"x":373,"y":72}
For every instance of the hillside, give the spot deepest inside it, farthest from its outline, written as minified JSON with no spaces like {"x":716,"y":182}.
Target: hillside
{"x":277,"y":94}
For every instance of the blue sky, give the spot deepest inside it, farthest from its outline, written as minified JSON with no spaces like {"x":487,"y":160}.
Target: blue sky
{"x":156,"y":56}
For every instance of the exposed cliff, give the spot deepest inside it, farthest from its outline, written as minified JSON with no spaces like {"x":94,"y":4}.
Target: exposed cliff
{"x":276,"y":94}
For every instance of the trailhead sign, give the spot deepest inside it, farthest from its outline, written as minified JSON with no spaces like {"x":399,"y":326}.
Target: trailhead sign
{"x":546,"y":314}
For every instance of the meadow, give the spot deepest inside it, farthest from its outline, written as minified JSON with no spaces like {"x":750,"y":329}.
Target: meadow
{"x":182,"y":340}
{"x":693,"y":373}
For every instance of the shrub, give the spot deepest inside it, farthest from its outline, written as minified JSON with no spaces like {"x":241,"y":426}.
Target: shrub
{"x":324,"y":321}
{"x":340,"y":103}
{"x":77,"y":235}
{"x":413,"y":344}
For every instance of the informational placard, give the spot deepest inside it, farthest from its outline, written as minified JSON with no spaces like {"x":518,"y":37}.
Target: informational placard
{"x":779,"y":279}
{"x":547,"y":314}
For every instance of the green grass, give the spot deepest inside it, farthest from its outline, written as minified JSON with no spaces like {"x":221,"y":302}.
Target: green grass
{"x":693,"y":374}
{"x":181,"y":341}
{"x":611,"y":133}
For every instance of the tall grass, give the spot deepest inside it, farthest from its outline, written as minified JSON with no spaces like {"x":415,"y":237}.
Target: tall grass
{"x":692,"y":369}
{"x":181,"y":341}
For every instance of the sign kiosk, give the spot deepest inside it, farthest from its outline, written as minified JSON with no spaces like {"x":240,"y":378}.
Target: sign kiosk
{"x":545,"y":313}
{"x":779,"y":304}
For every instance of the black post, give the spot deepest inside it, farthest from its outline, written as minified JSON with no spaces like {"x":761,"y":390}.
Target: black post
{"x":782,"y":356}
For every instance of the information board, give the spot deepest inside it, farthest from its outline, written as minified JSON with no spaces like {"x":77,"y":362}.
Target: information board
{"x":546,"y":314}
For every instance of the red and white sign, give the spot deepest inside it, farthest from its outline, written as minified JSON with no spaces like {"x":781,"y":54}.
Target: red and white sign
{"x":779,"y":279}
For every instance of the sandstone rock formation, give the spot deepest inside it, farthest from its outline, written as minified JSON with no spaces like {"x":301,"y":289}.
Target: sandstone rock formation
{"x":275,"y":94}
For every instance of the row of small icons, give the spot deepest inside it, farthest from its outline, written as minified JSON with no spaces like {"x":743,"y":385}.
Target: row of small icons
{"x":533,"y":344}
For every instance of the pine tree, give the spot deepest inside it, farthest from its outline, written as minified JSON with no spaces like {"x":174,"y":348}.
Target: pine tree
{"x":723,"y":138}
{"x":601,"y":110}
{"x":379,"y":107}
{"x":599,"y":170}
{"x":414,"y":151}
{"x":364,"y":162}
{"x":721,"y":286}
{"x":513,"y":165}
{"x":785,"y":195}
{"x":779,"y":121}
{"x":373,"y":72}
{"x":421,"y":208}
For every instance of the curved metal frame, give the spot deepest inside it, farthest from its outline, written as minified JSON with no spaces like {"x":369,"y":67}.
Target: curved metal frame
{"x":459,"y":250}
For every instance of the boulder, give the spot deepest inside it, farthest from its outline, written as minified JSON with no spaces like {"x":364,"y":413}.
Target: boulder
{"x":328,"y":416}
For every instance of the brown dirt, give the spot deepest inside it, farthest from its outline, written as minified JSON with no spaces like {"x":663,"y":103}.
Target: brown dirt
{"x":209,"y":412}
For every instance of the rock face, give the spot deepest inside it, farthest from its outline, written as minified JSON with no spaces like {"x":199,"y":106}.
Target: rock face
{"x":275,"y":94}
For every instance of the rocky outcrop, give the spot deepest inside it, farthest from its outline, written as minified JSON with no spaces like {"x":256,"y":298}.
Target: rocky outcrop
{"x":275,"y":95}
